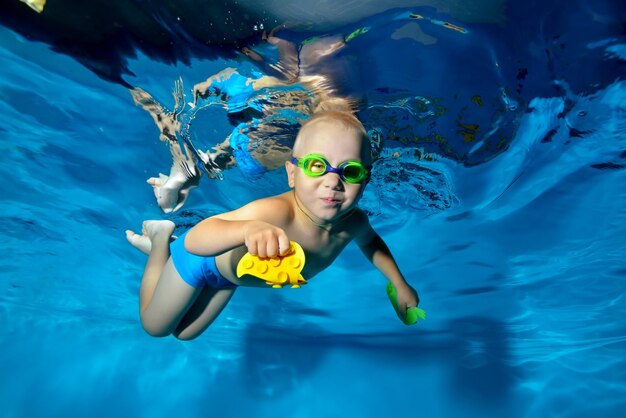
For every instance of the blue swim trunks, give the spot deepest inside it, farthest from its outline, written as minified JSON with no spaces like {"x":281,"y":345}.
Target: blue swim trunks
{"x":197,"y":271}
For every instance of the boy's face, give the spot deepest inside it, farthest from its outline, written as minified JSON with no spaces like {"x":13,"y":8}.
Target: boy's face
{"x":327,"y":197}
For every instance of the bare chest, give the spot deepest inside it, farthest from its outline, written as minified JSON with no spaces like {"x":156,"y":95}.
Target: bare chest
{"x":320,"y":251}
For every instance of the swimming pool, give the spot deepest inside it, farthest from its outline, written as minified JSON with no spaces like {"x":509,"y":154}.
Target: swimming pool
{"x":499,"y":188}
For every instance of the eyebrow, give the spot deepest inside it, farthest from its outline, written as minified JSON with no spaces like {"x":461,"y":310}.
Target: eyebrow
{"x":326,"y":158}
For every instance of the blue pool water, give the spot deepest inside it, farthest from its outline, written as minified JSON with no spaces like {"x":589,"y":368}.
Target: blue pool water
{"x":499,"y":189}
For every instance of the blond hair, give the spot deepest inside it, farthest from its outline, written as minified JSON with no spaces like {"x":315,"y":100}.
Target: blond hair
{"x":338,"y":104}
{"x":346,"y":120}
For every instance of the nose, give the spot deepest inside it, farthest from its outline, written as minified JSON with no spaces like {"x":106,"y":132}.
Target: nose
{"x":333,"y":181}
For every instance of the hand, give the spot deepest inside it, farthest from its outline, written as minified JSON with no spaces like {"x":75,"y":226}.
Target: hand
{"x":266,"y":240}
{"x":407,"y":298}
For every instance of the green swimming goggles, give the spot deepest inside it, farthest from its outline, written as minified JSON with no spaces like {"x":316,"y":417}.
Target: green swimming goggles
{"x":316,"y":165}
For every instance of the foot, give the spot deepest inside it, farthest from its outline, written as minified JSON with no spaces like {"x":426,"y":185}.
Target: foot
{"x":172,"y":191}
{"x":150,"y":231}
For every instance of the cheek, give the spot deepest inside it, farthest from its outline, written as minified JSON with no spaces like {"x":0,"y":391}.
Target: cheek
{"x":305,"y":185}
{"x":355,"y":192}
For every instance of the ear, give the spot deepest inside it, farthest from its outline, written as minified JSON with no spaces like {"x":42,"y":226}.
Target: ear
{"x":291,"y":172}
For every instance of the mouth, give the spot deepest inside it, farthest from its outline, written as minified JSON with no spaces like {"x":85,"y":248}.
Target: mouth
{"x":329,"y":201}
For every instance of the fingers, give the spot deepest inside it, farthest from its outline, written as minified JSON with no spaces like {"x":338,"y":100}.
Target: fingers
{"x":405,"y":302}
{"x":264,"y":248}
{"x":270,"y":249}
{"x":268,"y":243}
{"x":284,"y":246}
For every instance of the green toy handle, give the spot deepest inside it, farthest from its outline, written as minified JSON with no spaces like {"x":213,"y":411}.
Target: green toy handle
{"x":412,"y":314}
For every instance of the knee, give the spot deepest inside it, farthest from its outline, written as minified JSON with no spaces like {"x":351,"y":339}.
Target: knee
{"x":185,"y":335}
{"x":153,"y":329}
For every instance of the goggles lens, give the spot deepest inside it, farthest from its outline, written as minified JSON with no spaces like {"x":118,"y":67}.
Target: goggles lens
{"x":315,"y":165}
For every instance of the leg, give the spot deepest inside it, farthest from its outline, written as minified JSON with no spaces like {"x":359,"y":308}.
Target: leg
{"x":164,"y":297}
{"x":172,"y":297}
{"x":142,"y":242}
{"x":203,"y":312}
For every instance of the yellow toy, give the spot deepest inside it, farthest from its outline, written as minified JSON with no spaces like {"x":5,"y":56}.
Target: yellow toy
{"x":276,"y":271}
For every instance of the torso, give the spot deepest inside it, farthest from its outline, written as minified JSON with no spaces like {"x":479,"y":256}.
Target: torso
{"x":321,"y":248}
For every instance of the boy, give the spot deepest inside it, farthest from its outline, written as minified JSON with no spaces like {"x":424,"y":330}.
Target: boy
{"x":182,"y":293}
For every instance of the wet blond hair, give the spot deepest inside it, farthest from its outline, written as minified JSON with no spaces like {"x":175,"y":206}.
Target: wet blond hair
{"x":346,"y":120}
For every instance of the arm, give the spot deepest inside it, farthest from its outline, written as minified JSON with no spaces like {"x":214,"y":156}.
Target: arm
{"x":375,"y":249}
{"x":253,"y":225}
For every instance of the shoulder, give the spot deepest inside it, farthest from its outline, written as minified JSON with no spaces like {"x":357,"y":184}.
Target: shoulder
{"x":280,"y":205}
{"x":358,"y":224}
{"x":274,"y":209}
